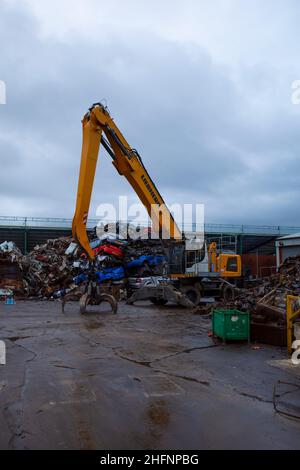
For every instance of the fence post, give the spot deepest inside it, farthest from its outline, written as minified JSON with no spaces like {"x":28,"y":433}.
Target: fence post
{"x":25,"y":237}
{"x":241,"y":244}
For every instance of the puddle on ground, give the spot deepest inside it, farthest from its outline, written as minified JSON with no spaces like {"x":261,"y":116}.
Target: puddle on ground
{"x":158,"y":413}
{"x":93,"y":324}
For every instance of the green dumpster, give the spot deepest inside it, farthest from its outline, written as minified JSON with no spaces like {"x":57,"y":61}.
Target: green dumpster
{"x":231,"y":325}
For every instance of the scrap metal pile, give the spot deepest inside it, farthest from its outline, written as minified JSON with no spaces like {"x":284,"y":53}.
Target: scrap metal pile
{"x":55,"y":267}
{"x":40,"y":272}
{"x":271,"y":291}
{"x":47,"y":268}
{"x":267,"y":303}
{"x":11,"y":278}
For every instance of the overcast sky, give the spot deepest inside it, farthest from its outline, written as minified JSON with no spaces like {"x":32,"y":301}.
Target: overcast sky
{"x":201,"y":88}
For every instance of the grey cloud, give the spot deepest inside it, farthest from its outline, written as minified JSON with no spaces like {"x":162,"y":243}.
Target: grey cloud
{"x":204,"y":136}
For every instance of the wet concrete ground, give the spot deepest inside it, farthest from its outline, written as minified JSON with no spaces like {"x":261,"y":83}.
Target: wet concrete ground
{"x":146,"y":378}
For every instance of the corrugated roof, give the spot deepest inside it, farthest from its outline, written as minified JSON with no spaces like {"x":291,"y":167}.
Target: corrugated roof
{"x":294,"y":235}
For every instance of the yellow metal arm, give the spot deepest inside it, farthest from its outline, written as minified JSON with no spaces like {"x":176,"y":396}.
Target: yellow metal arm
{"x":292,"y":312}
{"x":127,"y":162}
{"x":212,"y":257}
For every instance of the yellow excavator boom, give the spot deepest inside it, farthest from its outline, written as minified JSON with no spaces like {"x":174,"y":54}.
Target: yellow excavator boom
{"x":99,"y":128}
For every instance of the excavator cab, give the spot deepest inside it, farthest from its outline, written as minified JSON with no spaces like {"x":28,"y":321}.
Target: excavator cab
{"x":226,"y":264}
{"x":229,"y":265}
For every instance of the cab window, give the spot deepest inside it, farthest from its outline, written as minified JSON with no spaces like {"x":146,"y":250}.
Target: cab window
{"x":194,"y":256}
{"x":232,"y":264}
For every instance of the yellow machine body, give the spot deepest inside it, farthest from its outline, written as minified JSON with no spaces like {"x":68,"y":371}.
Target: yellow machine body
{"x":229,"y":265}
{"x":226,"y":264}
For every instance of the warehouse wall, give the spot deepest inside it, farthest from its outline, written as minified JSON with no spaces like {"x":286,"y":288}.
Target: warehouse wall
{"x":16,"y":235}
{"x":27,"y":239}
{"x":258,"y":264}
{"x":286,"y":248}
{"x":288,"y":251}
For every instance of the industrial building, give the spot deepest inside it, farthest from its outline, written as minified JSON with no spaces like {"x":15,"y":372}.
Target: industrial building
{"x":286,"y":247}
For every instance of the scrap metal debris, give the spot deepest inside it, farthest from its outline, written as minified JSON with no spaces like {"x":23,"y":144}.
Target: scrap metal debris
{"x":11,"y":276}
{"x":270,"y":292}
{"x":59,"y":266}
{"x":267,"y":302}
{"x":48,"y":268}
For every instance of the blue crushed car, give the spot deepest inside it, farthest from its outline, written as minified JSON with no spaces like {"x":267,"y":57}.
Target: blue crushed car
{"x":108,"y":274}
{"x":111,"y":274}
{"x":151,"y":260}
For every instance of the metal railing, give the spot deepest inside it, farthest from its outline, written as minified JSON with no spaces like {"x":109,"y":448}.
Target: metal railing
{"x":230,"y":229}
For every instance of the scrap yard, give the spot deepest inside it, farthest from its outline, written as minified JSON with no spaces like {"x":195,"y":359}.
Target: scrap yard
{"x":152,"y":336}
{"x":155,"y":369}
{"x":149,"y":232}
{"x":132,"y":336}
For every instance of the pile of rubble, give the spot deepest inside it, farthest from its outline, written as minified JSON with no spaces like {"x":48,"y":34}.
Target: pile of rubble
{"x":48,"y":268}
{"x":58,"y":265}
{"x":117,"y":259}
{"x":11,"y":276}
{"x":10,"y":252}
{"x":269,"y":297}
{"x":266,"y":303}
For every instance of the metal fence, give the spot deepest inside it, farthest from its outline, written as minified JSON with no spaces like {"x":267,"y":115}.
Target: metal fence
{"x":65,"y":223}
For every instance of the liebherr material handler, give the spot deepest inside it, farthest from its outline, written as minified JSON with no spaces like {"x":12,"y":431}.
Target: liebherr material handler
{"x":193,"y":268}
